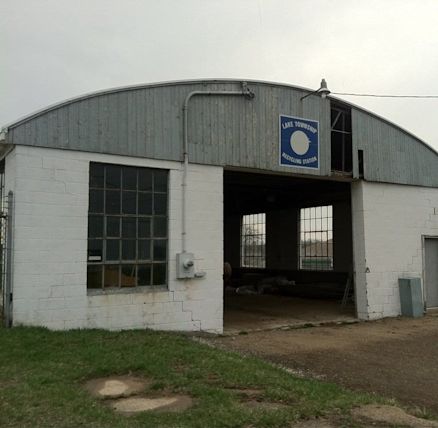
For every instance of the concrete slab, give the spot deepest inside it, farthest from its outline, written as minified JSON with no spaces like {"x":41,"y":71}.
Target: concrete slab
{"x":267,"y":312}
{"x":116,"y":386}
{"x":393,"y":416}
{"x":177,"y":403}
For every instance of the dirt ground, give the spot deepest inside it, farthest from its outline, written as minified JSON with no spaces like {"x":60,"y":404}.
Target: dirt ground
{"x":396,"y":358}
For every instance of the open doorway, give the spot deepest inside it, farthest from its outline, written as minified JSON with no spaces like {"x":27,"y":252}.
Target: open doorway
{"x":287,"y":251}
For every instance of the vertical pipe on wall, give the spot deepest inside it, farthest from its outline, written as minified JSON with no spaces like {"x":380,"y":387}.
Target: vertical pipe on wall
{"x":247,"y":93}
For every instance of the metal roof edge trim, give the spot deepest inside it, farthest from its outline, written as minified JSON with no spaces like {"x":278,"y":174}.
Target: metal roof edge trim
{"x":134,"y":87}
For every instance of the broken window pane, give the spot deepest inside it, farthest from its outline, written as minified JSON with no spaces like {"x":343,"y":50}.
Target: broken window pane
{"x":128,"y":276}
{"x":95,"y":253}
{"x":111,"y":276}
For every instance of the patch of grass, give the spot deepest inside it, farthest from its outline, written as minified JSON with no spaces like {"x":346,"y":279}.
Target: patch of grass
{"x":42,"y":375}
{"x":422,"y":412}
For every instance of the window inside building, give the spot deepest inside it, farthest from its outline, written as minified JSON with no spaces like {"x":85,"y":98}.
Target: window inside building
{"x":127,"y":227}
{"x":253,"y":241}
{"x":316,"y":238}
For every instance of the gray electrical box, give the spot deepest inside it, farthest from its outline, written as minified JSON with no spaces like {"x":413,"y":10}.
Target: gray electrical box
{"x":411,"y":297}
{"x":185,"y":265}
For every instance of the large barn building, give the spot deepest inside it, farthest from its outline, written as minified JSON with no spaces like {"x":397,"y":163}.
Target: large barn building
{"x":120,"y":208}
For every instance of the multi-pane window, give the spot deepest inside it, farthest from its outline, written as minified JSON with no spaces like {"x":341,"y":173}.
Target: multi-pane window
{"x":316,"y":238}
{"x":127,"y":226}
{"x":253,"y":241}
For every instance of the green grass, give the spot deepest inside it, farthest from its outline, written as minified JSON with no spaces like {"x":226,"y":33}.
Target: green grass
{"x":42,"y":375}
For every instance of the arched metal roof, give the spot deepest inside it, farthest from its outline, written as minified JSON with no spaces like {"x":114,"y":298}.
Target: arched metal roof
{"x":192,"y":81}
{"x":133,"y":120}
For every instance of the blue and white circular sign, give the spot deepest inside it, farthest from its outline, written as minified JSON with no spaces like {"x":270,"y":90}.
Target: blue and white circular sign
{"x":299,"y":142}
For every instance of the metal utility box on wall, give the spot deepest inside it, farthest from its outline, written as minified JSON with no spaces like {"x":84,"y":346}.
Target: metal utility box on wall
{"x":411,"y":297}
{"x":185,"y":266}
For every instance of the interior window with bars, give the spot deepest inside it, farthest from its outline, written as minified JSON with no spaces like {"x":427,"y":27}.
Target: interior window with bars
{"x":127,"y":226}
{"x":316,"y":238}
{"x":253,"y":241}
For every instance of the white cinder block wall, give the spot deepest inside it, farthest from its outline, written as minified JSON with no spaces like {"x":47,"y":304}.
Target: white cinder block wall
{"x":389,"y":221}
{"x":50,"y":247}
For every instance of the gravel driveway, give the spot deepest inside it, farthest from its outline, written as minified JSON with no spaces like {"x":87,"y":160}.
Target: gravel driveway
{"x":395,"y":357}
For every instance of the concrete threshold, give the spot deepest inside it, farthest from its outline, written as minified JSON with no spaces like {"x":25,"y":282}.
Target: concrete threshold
{"x":290,"y":326}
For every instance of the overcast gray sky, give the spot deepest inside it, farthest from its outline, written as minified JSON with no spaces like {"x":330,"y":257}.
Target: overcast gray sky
{"x":56,"y":49}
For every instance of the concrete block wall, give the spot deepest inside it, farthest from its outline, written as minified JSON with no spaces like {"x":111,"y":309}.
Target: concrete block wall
{"x":359,"y":260}
{"x":50,"y":247}
{"x":389,"y":221}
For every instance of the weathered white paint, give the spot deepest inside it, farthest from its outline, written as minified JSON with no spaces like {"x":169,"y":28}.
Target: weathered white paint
{"x":50,"y":247}
{"x":388,"y":224}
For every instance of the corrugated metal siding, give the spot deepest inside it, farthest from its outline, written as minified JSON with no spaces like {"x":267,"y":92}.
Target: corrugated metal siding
{"x":147,"y":122}
{"x":390,"y":154}
{"x":223,"y":130}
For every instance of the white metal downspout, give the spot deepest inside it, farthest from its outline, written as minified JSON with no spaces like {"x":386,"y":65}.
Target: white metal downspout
{"x":246,"y":92}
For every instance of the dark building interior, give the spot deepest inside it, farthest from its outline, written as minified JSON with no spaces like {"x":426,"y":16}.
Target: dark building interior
{"x":286,"y":240}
